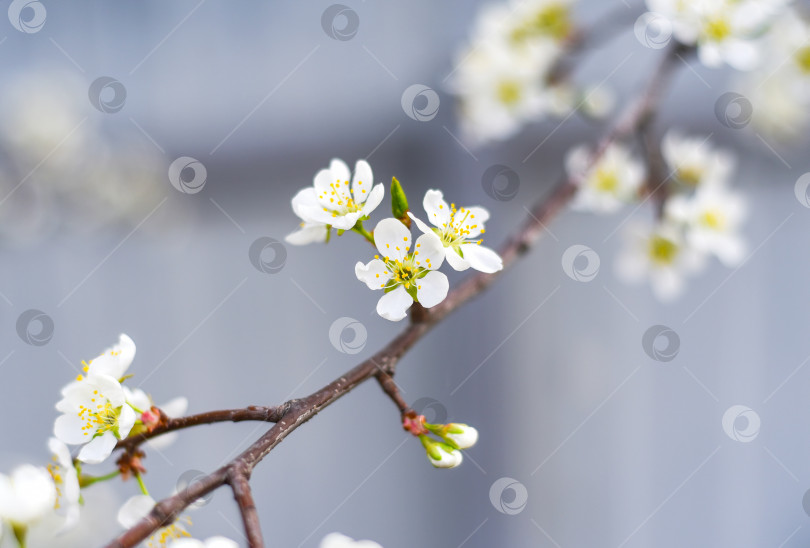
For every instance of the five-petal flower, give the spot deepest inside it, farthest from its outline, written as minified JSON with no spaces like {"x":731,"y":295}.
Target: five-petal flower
{"x":405,"y":276}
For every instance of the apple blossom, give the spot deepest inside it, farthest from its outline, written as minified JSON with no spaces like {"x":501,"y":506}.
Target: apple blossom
{"x":334,"y":202}
{"x":66,"y":479}
{"x":336,"y":540}
{"x":606,"y":184}
{"x":457,"y":230}
{"x":404,"y":276}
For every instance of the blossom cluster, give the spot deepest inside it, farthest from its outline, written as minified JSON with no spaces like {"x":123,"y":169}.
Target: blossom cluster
{"x":406,"y":270}
{"x":723,"y":31}
{"x":443,"y":450}
{"x":701,"y":215}
{"x":505,"y":77}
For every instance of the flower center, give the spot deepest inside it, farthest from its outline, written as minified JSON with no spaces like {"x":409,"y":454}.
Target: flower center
{"x":803,"y":59}
{"x":662,"y":250}
{"x":713,"y":218}
{"x":169,"y":533}
{"x":718,"y":30}
{"x":689,"y":175}
{"x":340,"y":199}
{"x":554,"y":21}
{"x":458,"y":229}
{"x":509,"y":92}
{"x":56,"y":473}
{"x":101,"y":418}
{"x":606,"y":181}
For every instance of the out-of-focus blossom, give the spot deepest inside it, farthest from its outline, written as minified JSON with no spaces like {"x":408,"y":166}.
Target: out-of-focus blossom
{"x":606,"y":184}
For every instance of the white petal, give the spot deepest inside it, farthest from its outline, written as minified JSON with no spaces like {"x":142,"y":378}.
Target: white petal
{"x":374,"y":274}
{"x":98,"y":449}
{"x":115,"y":360}
{"x":134,"y":510}
{"x":108,"y":387}
{"x":27,"y":495}
{"x":456,"y":261}
{"x":346,"y":221}
{"x":362,"y":180}
{"x":432,"y":289}
{"x":309,"y":233}
{"x":374,"y":199}
{"x":126,"y":421}
{"x":321,"y":188}
{"x":220,"y":542}
{"x":474,"y":219}
{"x":421,"y":224}
{"x":61,"y":451}
{"x":163,"y":441}
{"x":392,"y":238}
{"x":68,"y":429}
{"x":340,"y":171}
{"x":138,"y":398}
{"x":394,"y":304}
{"x":482,"y":258}
{"x":430,"y":251}
{"x":438,"y":212}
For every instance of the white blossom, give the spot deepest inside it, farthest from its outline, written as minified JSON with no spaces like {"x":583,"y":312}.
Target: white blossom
{"x":336,"y":540}
{"x":26,"y":496}
{"x":604,"y":186}
{"x":458,"y":230}
{"x":66,"y":481}
{"x":694,"y":162}
{"x":405,"y":276}
{"x":333,"y":201}
{"x":711,"y":218}
{"x":142,"y":403}
{"x":658,"y":254}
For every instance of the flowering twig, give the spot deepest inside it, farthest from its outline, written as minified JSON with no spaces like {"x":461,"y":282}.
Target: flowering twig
{"x":292,"y":414}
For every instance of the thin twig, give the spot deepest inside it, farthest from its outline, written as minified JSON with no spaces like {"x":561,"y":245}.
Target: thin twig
{"x":296,"y":412}
{"x":239,"y":480}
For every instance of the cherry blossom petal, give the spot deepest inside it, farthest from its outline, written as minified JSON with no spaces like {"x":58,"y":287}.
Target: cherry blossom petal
{"x":482,"y":258}
{"x":394,"y":304}
{"x":362,"y":181}
{"x":375,"y":197}
{"x":392,"y":238}
{"x":98,"y":449}
{"x":432,"y":289}
{"x":429,"y":251}
{"x":438,"y":212}
{"x":374,"y":274}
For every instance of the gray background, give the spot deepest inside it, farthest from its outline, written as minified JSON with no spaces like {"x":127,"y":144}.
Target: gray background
{"x":613,"y":447}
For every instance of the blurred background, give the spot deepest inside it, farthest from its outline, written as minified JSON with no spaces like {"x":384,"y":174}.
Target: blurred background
{"x":601,"y":444}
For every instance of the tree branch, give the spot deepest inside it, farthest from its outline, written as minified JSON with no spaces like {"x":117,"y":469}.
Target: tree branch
{"x":296,"y":412}
{"x":239,"y":480}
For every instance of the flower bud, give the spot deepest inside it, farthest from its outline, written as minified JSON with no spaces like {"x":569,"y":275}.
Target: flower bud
{"x":441,"y":455}
{"x":399,"y":203}
{"x":461,"y":436}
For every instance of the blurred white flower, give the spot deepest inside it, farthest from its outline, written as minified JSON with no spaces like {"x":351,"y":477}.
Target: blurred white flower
{"x":211,"y":542}
{"x":711,"y":218}
{"x":336,"y":540}
{"x":724,"y":31}
{"x":66,"y":480}
{"x":138,"y":507}
{"x":604,"y":186}
{"x":457,"y":230}
{"x":542,"y":19}
{"x":659,"y":254}
{"x":501,"y":88}
{"x":26,"y":496}
{"x":332,"y":201}
{"x":694,"y":162}
{"x":404,"y":276}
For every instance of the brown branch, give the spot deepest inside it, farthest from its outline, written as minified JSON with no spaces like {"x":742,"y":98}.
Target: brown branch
{"x":297,"y":412}
{"x":166,"y":424}
{"x":392,"y":390}
{"x":239,"y":480}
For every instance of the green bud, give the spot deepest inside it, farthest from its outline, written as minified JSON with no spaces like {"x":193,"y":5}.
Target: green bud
{"x":399,"y":202}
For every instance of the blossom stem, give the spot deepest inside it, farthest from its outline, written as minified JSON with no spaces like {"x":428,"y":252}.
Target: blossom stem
{"x":140,"y":482}
{"x":87,"y":481}
{"x":363,"y":232}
